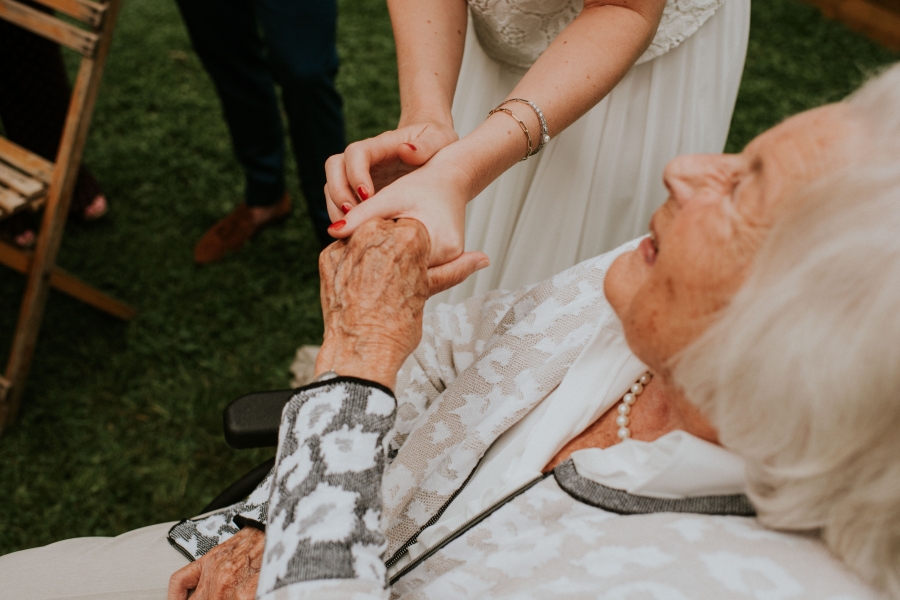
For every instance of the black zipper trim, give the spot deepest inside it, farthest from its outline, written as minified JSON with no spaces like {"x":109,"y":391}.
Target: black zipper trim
{"x":463,"y":528}
{"x":434,"y":519}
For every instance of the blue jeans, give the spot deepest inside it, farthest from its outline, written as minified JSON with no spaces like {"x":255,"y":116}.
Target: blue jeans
{"x":249,"y":45}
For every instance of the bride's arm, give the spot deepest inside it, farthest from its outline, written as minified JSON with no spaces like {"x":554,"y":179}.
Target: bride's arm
{"x":579,"y":68}
{"x":582,"y":65}
{"x":429,"y":36}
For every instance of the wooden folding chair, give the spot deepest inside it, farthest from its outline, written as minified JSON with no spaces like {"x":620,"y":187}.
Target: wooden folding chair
{"x":28,"y":182}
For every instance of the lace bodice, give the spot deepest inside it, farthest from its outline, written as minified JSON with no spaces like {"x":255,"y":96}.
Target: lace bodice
{"x":516,"y":32}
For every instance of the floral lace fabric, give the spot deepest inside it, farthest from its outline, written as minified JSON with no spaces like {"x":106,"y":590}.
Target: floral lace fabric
{"x":516,"y":32}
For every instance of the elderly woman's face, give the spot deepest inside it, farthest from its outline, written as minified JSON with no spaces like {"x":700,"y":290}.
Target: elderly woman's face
{"x":703,"y":239}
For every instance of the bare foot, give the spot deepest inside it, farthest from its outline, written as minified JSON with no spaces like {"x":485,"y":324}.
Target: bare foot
{"x":26,"y":239}
{"x":96,"y":209}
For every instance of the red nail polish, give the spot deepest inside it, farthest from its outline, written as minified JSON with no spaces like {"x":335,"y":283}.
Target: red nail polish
{"x":337,"y":225}
{"x":362,"y":192}
{"x":413,"y":147}
{"x":345,"y":208}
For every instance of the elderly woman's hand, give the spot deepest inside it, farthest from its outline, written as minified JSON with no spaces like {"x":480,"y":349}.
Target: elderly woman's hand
{"x":374,"y":288}
{"x":230,"y":571}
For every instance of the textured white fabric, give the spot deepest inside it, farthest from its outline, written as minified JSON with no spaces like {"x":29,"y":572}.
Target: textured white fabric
{"x":596,"y":380}
{"x":480,"y":368}
{"x":595,"y":185}
{"x":133,"y":566}
{"x":677,"y":465}
{"x":674,"y":466}
{"x":545,"y":544}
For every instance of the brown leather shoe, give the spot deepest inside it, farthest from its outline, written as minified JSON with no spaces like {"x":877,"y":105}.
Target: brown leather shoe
{"x":232,"y":232}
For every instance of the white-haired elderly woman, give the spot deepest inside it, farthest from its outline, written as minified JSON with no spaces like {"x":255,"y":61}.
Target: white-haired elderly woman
{"x":610,"y":432}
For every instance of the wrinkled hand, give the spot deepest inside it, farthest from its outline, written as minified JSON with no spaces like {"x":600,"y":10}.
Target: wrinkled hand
{"x":230,"y":571}
{"x":374,"y":288}
{"x":369,"y":165}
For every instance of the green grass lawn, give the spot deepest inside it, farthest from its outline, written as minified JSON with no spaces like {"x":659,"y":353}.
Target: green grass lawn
{"x":121,"y":424}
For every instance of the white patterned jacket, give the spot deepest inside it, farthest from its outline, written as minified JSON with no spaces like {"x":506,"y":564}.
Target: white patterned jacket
{"x":356,"y":481}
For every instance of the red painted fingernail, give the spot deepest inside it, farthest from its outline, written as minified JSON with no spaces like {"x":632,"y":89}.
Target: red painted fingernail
{"x":362,"y":192}
{"x":337,"y":225}
{"x":345,"y":208}
{"x":413,"y":147}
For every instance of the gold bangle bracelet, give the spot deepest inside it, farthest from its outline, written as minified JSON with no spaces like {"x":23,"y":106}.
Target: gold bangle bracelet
{"x":544,"y":136}
{"x":521,"y":124}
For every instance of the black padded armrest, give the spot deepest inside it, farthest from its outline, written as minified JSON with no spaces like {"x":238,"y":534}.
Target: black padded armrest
{"x":252,"y":420}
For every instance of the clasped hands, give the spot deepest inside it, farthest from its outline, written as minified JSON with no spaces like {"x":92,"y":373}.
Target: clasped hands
{"x":399,"y":174}
{"x":374,"y":288}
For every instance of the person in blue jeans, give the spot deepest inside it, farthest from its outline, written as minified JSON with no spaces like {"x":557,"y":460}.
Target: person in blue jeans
{"x":247,"y":46}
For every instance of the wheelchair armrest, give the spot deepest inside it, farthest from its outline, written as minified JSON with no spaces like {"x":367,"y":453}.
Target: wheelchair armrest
{"x":252,"y":420}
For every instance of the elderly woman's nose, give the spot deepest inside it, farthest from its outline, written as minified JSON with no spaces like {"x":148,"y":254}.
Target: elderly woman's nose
{"x":687,"y":175}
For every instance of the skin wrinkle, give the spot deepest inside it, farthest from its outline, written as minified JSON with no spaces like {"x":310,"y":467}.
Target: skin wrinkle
{"x":373,"y":292}
{"x":229,"y":571}
{"x":719,"y":210}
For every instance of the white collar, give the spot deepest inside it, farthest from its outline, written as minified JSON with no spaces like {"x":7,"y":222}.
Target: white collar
{"x":677,"y":465}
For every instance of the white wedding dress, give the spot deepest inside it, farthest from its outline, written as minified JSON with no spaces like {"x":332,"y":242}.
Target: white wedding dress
{"x":596,"y":184}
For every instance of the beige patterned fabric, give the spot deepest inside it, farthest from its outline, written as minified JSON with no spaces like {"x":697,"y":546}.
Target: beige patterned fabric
{"x":545,"y":544}
{"x":480,"y":368}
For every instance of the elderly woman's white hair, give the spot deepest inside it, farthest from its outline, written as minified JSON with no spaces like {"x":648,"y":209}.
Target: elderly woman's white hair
{"x":801,"y":374}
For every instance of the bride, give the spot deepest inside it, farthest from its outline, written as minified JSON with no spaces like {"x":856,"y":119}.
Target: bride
{"x":641,"y":81}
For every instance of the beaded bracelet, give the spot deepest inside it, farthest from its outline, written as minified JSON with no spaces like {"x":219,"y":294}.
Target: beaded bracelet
{"x":521,"y":123}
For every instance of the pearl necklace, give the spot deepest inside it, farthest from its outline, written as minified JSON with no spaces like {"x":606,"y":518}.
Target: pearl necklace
{"x":627,"y":400}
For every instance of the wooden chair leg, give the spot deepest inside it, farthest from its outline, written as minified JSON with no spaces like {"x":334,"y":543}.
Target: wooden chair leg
{"x":43,"y":262}
{"x":20,"y":260}
{"x":24,"y":342}
{"x":30,"y":321}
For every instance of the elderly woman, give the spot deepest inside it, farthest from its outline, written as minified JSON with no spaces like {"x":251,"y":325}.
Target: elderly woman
{"x":746,"y":346}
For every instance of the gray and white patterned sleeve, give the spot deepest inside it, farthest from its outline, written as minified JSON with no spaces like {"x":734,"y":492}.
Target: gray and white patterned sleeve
{"x":195,"y":537}
{"x":324,"y":537}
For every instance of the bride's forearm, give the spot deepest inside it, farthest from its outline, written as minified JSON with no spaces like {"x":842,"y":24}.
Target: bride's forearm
{"x":430,"y":36}
{"x":582,"y":65}
{"x":589,"y":58}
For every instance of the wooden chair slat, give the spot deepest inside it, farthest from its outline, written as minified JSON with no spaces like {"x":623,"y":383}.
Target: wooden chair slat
{"x":83,"y":42}
{"x":10,"y":202}
{"x":85,"y":11}
{"x":26,"y":161}
{"x":18,"y":181}
{"x":38,"y":203}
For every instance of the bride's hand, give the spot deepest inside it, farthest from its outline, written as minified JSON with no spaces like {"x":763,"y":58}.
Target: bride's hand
{"x":369,"y":165}
{"x":434,"y":195}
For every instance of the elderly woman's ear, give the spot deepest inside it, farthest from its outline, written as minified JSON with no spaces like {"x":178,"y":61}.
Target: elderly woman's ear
{"x":374,"y":286}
